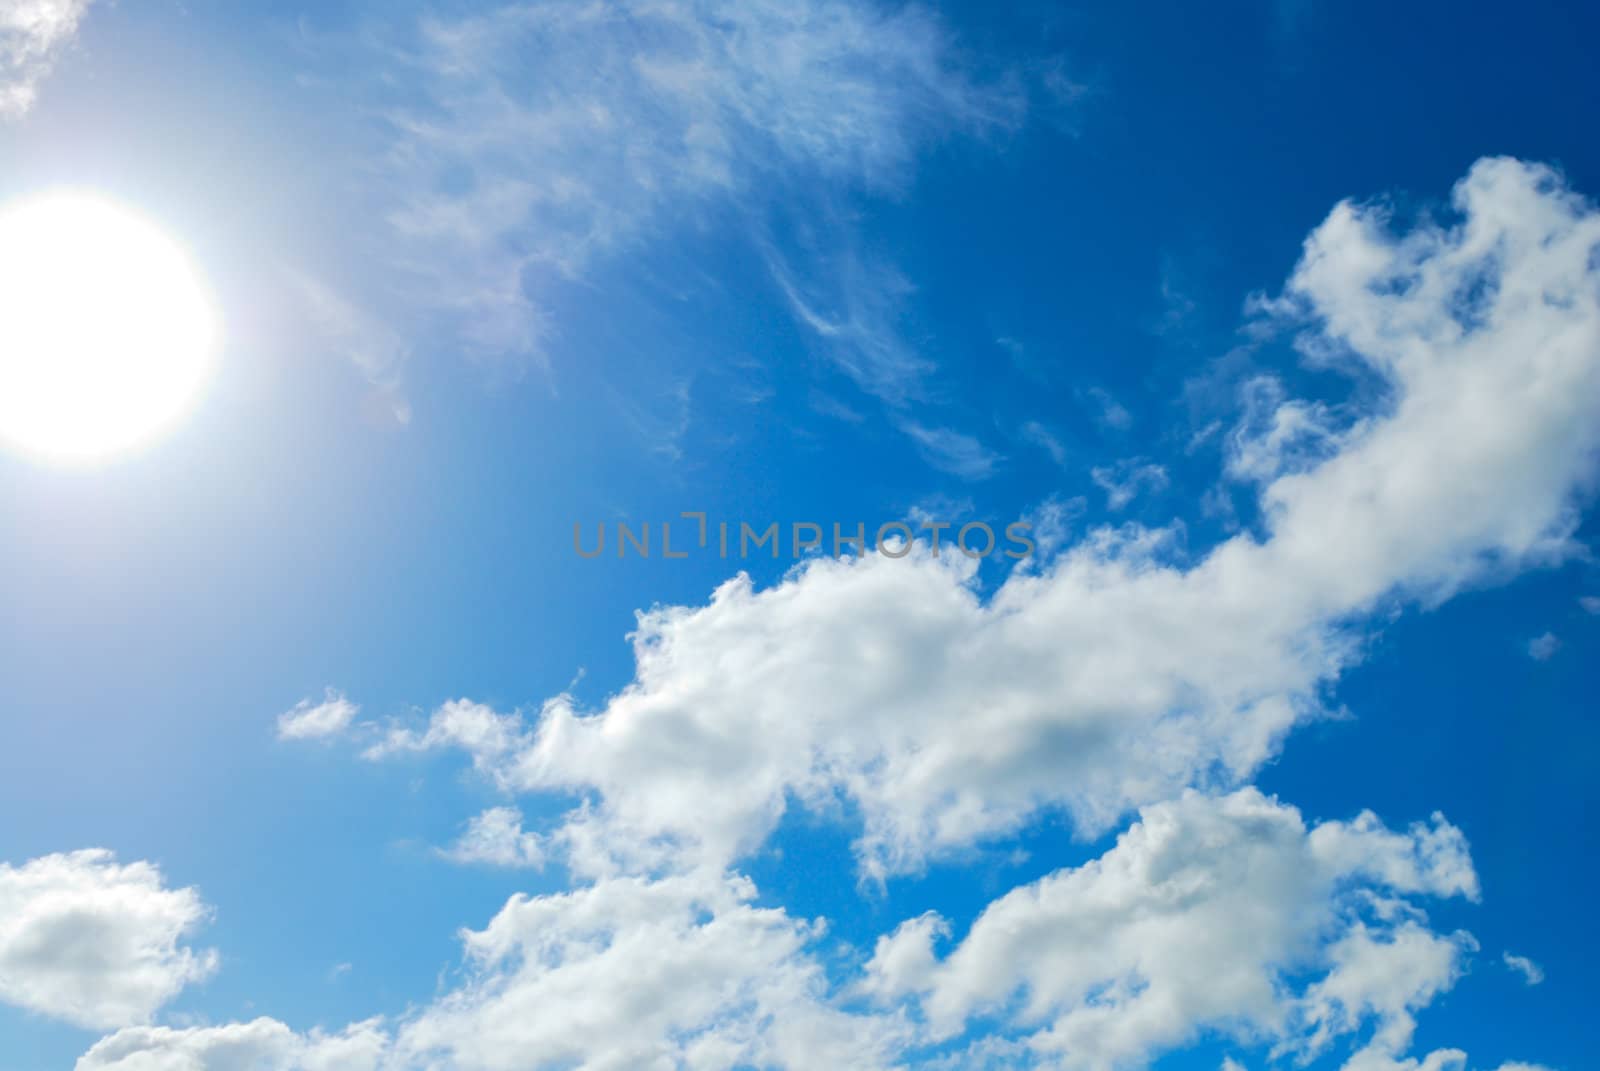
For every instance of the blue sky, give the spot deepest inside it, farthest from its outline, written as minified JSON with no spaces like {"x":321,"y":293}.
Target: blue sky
{"x":1278,"y":322}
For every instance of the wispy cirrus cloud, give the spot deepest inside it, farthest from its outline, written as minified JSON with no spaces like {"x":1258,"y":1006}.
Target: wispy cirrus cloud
{"x":952,"y":451}
{"x":639,"y":117}
{"x":1125,"y":480}
{"x":854,"y":308}
{"x":1530,"y":972}
{"x":1045,"y":439}
{"x":1107,"y":411}
{"x":503,"y":179}
{"x":378,"y":350}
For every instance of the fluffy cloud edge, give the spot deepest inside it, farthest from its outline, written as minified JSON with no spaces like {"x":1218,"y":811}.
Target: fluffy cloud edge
{"x":94,"y":942}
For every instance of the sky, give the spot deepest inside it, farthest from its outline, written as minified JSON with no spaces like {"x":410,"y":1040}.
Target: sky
{"x":327,"y":743}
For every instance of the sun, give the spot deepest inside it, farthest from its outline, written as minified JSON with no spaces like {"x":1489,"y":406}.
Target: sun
{"x":106,"y":331}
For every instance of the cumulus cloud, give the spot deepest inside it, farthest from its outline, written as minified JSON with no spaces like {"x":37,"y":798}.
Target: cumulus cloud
{"x":1377,"y":1058}
{"x":1124,"y":670}
{"x":1380,"y":1056}
{"x":496,"y":838}
{"x":626,"y":972}
{"x":1116,"y":674}
{"x":310,"y":720}
{"x":32,"y":35}
{"x":96,"y":943}
{"x":260,"y":1045}
{"x":1205,"y":914}
{"x":1211,"y":914}
{"x":692,"y":972}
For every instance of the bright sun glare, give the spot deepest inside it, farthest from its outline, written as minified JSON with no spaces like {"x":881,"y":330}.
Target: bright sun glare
{"x":106,"y":333}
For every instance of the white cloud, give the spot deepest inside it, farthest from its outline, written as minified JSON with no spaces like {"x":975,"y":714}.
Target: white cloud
{"x":496,"y":838}
{"x":1202,"y":917}
{"x":830,"y":406}
{"x":32,"y":35}
{"x":1178,"y":306}
{"x":473,"y":727}
{"x":638,"y":117}
{"x":376,"y":349}
{"x":1108,"y":411}
{"x":310,"y":720}
{"x":1590,"y":604}
{"x":95,"y":943}
{"x":953,"y":451}
{"x":1380,"y":1056}
{"x":1124,"y":481}
{"x":1530,"y":971}
{"x":660,"y":422}
{"x":1210,"y":915}
{"x":1543,"y":647}
{"x":1382,"y":977}
{"x":628,"y":972}
{"x":1278,"y":434}
{"x":691,"y":972}
{"x":1122,"y":671}
{"x":1108,"y":676}
{"x":854,"y":307}
{"x":1042,"y":437}
{"x":501,"y":181}
{"x":260,"y":1045}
